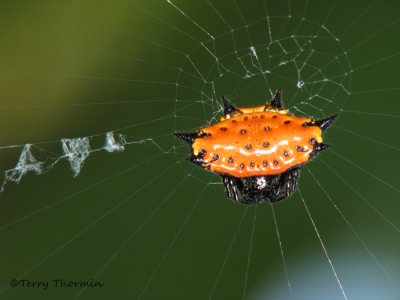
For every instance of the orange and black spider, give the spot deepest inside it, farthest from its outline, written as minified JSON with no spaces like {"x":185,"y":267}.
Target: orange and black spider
{"x":258,"y":151}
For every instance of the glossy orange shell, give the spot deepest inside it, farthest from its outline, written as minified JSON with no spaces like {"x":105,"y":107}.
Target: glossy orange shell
{"x":256,"y":143}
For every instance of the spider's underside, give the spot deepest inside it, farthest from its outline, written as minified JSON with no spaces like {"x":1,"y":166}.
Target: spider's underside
{"x":258,"y":189}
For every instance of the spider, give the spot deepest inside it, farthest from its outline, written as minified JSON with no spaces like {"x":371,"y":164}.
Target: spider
{"x":257,"y":151}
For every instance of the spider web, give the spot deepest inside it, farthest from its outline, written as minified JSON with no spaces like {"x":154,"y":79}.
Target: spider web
{"x":322,"y":241}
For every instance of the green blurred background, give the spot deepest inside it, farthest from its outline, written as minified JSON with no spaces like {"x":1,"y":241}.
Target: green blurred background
{"x":147,"y":224}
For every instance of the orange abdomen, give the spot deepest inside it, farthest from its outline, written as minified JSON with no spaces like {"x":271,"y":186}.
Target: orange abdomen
{"x":256,"y":143}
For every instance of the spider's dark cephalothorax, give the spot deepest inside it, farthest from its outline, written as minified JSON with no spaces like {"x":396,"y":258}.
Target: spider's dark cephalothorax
{"x":258,"y":151}
{"x":257,"y":189}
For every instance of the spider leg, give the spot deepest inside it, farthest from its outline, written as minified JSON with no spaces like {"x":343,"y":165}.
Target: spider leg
{"x":231,"y":188}
{"x":287,"y":185}
{"x":236,"y":192}
{"x":227,"y":186}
